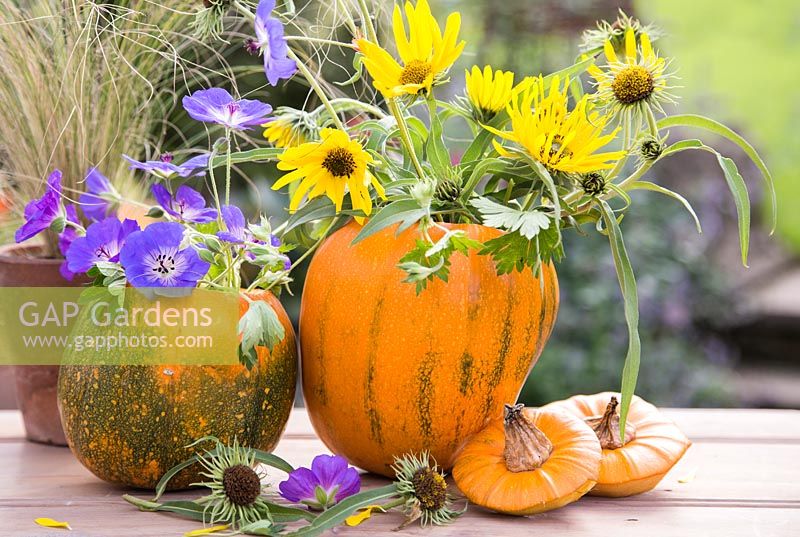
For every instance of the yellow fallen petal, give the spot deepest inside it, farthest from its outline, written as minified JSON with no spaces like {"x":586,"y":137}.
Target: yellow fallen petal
{"x":355,"y":520}
{"x":689,"y":477}
{"x":206,"y":531}
{"x":50,"y":523}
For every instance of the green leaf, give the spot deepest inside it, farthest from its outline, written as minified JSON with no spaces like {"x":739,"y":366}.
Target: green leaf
{"x":358,"y":60}
{"x":259,"y":326}
{"x":263,"y":154}
{"x":185,"y":508}
{"x":478,"y":146}
{"x":286,"y":513}
{"x":683,"y":145}
{"x":627,"y":284}
{"x":314,"y":210}
{"x":742,"y":201}
{"x":485,"y":166}
{"x":646,"y":185}
{"x":500,"y":216}
{"x":172,"y":472}
{"x":406,"y":211}
{"x":435,"y":149}
{"x":701,"y":122}
{"x":337,"y":514}
{"x":513,"y":252}
{"x":272,"y":460}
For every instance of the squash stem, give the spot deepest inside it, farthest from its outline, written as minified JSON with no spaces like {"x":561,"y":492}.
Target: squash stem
{"x":527,"y":448}
{"x":606,"y":427}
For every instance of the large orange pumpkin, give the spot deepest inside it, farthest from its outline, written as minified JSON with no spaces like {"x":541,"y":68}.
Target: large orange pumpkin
{"x":129,"y":424}
{"x":387,"y":371}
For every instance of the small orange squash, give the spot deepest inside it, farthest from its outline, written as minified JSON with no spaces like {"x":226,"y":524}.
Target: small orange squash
{"x":387,"y":371}
{"x":530,"y":462}
{"x":653,"y":443}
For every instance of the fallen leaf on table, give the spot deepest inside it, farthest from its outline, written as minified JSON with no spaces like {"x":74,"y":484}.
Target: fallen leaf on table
{"x":355,"y":520}
{"x":206,"y":531}
{"x":689,"y":477}
{"x":50,"y":523}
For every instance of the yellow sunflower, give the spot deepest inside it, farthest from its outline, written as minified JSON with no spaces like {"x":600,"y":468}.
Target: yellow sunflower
{"x":329,"y":167}
{"x":550,"y":133}
{"x":640,"y":78}
{"x":426,"y":53}
{"x":488,"y":92}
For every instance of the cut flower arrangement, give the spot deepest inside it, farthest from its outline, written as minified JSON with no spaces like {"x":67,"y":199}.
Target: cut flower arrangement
{"x":431,"y":289}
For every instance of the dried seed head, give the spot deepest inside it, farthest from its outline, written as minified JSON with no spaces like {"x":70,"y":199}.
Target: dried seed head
{"x":430,"y":489}
{"x":241,"y":484}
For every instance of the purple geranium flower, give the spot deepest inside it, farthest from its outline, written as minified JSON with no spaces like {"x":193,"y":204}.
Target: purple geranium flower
{"x":216,"y":105}
{"x":153,"y":258}
{"x":40,"y":213}
{"x":187,"y":205}
{"x":94,"y":202}
{"x":103,"y":242}
{"x":234,"y":220}
{"x":164,"y":167}
{"x":328,"y":481}
{"x":271,"y":41}
{"x":66,"y":238}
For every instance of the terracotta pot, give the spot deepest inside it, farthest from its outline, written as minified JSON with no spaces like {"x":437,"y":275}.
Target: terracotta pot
{"x":36,"y":385}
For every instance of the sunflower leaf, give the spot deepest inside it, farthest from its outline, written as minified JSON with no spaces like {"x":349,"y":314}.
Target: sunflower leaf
{"x":337,"y":514}
{"x":406,"y":211}
{"x":708,"y":124}
{"x":627,"y":284}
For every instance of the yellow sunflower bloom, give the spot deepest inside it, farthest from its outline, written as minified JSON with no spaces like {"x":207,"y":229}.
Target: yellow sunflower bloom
{"x":640,"y":78}
{"x":488,"y":92}
{"x":425,"y":52}
{"x":331,"y":167}
{"x":562,"y":140}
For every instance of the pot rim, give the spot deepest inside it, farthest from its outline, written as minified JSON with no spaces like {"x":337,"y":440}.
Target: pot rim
{"x":25,"y":254}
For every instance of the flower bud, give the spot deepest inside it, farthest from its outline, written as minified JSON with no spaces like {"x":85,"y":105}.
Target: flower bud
{"x":651,"y":149}
{"x":593,"y":183}
{"x":447,"y":191}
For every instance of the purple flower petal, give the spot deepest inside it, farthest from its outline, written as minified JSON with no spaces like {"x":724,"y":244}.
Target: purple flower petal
{"x":40,"y":213}
{"x":234,"y":220}
{"x":103,"y":242}
{"x":166,"y":168}
{"x":300,"y":486}
{"x":270,"y":38}
{"x":187,"y":205}
{"x":216,"y":105}
{"x":93,"y":205}
{"x":329,"y":475}
{"x":153,"y":258}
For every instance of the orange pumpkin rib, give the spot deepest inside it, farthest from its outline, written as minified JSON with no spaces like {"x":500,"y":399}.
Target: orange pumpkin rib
{"x":387,"y":371}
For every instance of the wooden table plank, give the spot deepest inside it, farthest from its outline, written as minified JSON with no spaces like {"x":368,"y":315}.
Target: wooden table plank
{"x":747,"y":482}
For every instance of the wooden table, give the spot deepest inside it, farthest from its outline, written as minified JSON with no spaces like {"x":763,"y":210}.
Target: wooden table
{"x":740,"y":478}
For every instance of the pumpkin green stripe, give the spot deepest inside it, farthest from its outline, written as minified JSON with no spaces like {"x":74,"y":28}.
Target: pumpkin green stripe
{"x":369,"y":389}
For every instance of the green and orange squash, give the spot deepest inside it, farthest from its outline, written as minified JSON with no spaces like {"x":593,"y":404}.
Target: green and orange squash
{"x":129,"y":424}
{"x":387,"y":371}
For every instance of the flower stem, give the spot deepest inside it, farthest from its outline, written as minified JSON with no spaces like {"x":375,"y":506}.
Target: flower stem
{"x":309,"y":76}
{"x":228,"y":167}
{"x":405,"y":136}
{"x":312,"y":81}
{"x":372,"y":35}
{"x":320,"y":41}
{"x":651,"y":121}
